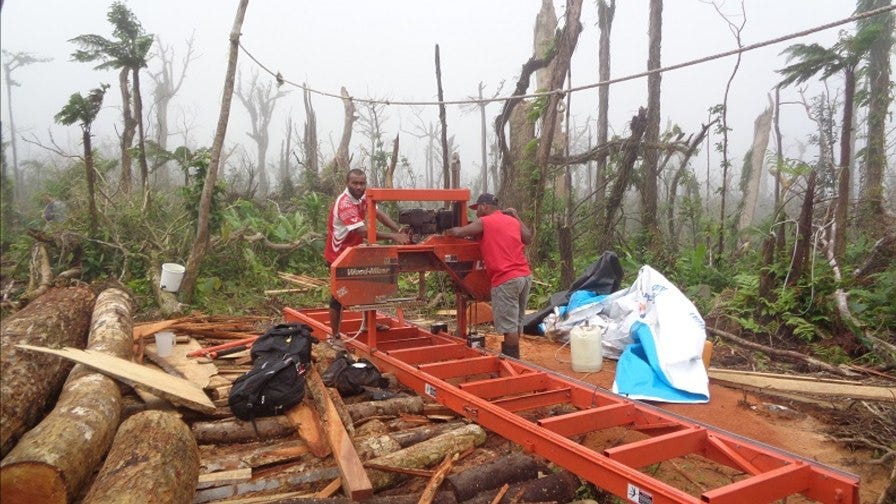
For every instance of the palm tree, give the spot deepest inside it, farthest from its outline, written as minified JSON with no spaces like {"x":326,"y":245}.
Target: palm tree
{"x":84,"y":111}
{"x":841,"y":58}
{"x":128,"y":53}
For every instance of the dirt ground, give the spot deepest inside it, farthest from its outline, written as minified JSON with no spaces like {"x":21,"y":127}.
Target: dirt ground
{"x":731,"y":410}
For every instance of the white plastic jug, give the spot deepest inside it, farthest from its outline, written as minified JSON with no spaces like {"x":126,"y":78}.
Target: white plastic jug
{"x":585,"y":345}
{"x":172,"y":274}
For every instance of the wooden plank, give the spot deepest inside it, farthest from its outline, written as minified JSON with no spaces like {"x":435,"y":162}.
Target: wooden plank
{"x":765,"y":382}
{"x":172,"y":388}
{"x":355,"y":482}
{"x":307,"y":424}
{"x":224,"y":477}
{"x":197,"y":372}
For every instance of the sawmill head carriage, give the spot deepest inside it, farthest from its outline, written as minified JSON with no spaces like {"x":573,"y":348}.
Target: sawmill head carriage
{"x":366,"y":277}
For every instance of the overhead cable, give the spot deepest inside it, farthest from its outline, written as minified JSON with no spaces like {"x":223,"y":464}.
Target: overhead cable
{"x":474,"y":101}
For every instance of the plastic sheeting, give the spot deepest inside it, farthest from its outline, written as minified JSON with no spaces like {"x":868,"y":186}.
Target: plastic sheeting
{"x":653,"y":329}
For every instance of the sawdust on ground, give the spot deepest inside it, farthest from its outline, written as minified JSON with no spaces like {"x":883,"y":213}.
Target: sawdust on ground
{"x":731,"y":410}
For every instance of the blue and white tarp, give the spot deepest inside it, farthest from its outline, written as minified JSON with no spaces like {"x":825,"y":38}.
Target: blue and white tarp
{"x":656,"y":333}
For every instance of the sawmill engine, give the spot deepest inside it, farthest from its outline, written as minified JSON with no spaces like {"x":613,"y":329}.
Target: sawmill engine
{"x":424,"y":222}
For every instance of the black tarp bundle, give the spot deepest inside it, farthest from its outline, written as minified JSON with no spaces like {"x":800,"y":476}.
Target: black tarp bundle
{"x":603,"y":276}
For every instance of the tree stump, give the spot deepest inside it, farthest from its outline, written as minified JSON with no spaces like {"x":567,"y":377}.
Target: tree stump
{"x":30,"y":381}
{"x":52,"y":461}
{"x":153,"y":459}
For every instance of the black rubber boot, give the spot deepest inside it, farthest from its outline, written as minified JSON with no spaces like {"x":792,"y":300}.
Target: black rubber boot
{"x":510,"y":350}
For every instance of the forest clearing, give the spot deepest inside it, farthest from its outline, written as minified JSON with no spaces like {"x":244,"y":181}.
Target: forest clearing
{"x":747,"y":164}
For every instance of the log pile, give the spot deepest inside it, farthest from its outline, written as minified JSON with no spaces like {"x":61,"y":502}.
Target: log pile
{"x":394,"y":450}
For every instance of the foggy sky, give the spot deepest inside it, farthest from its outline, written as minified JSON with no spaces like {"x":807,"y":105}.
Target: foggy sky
{"x":385,"y":50}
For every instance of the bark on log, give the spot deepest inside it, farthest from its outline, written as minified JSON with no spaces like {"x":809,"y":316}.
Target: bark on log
{"x":556,"y":487}
{"x":413,"y":436}
{"x":154,"y":459}
{"x":29,"y":381}
{"x":360,"y":411}
{"x":231,"y":430}
{"x":53,"y":461}
{"x":215,"y":458}
{"x":443,"y":497}
{"x":510,"y":468}
{"x":426,"y":454}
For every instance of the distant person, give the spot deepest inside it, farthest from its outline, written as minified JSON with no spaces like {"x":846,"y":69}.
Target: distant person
{"x":502,"y":238}
{"x":54,"y":210}
{"x":347,"y":227}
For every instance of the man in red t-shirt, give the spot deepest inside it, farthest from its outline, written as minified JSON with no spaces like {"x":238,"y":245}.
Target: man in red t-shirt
{"x":347,"y":227}
{"x":502,"y":239}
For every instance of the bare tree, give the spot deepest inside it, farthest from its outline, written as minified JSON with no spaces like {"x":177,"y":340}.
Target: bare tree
{"x":260,"y":100}
{"x":309,"y":142}
{"x":200,"y":244}
{"x":565,"y":45}
{"x":11,"y":62}
{"x":167,"y":85}
{"x":370,"y":123}
{"x":605,"y":14}
{"x":651,"y":136}
{"x":341,"y":161}
{"x":726,"y":163}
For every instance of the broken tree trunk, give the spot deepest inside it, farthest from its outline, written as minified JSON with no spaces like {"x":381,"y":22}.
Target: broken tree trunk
{"x":154,"y":458}
{"x":510,"y":468}
{"x":168,"y":304}
{"x":53,"y":460}
{"x":425,"y":454}
{"x":29,"y":380}
{"x":232,"y":430}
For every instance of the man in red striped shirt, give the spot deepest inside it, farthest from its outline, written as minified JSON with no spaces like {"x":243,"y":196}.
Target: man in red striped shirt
{"x":347,"y":227}
{"x":502,"y":238}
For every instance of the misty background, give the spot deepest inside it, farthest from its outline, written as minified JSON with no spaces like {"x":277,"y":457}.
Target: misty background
{"x":385,"y":50}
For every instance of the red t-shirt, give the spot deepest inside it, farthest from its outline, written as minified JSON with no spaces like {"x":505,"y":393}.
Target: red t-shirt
{"x":502,"y":248}
{"x":346,"y":216}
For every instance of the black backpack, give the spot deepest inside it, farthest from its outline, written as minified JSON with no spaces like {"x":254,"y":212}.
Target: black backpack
{"x":276,"y":381}
{"x":350,"y":376}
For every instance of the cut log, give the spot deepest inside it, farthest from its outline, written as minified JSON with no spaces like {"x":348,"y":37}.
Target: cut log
{"x":409,"y":437}
{"x":52,"y":461}
{"x":426,"y":454}
{"x":215,"y":458}
{"x":355,"y":482}
{"x":232,"y":430}
{"x":361,"y":411}
{"x":376,"y":446}
{"x":443,"y":497}
{"x":510,"y":468}
{"x":154,"y":458}
{"x":294,"y":477}
{"x":29,"y":381}
{"x":555,"y":487}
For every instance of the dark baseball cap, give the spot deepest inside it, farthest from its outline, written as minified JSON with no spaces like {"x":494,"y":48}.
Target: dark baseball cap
{"x":485,"y":199}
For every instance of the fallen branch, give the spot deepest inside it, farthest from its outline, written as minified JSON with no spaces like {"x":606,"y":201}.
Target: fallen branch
{"x":789,"y":354}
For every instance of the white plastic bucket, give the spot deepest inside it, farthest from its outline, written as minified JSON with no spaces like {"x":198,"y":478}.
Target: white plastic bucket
{"x":165,"y":343}
{"x":172,"y":274}
{"x":585,"y":345}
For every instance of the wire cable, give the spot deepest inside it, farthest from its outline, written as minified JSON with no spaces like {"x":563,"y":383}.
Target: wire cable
{"x":472,"y":101}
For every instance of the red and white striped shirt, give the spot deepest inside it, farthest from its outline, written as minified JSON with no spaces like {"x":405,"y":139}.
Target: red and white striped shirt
{"x":346,"y":216}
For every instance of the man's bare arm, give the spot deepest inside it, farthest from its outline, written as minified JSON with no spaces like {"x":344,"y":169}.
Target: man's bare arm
{"x":472,"y":229}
